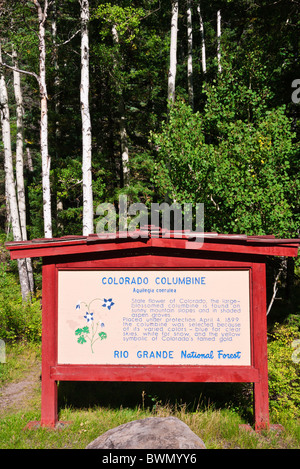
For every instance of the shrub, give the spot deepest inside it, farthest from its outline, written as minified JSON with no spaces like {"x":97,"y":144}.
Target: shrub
{"x":18,"y":319}
{"x":284,"y":370}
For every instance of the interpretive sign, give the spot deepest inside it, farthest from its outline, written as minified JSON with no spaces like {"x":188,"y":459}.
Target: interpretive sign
{"x":154,"y":317}
{"x":154,"y":308}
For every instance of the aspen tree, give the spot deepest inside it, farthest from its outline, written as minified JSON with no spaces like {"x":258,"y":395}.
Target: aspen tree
{"x":12,"y":202}
{"x":19,"y":146}
{"x":219,"y":40}
{"x":190,"y":53}
{"x":173,"y":52}
{"x":41,"y":79}
{"x":59,"y":203}
{"x":87,"y":190}
{"x":46,"y":159}
{"x":122,"y":121}
{"x":20,"y":161}
{"x":203,"y":49}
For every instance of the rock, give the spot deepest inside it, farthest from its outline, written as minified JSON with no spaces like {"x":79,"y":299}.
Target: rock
{"x":246,"y":427}
{"x":149,"y":433}
{"x":277,"y":428}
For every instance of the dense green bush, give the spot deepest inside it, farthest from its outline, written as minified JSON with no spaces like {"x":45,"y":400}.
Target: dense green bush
{"x":245,"y":173}
{"x":18,"y":320}
{"x":284,"y":370}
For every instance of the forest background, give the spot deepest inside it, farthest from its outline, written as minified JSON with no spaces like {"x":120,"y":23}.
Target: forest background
{"x":162,"y":101}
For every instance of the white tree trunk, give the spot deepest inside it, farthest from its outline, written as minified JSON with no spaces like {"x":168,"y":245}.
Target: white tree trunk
{"x":122,"y":121}
{"x":46,"y":160}
{"x":124,"y":143}
{"x":203,"y":49}
{"x":87,"y":190}
{"x":219,"y":40}
{"x":56,"y":72}
{"x":10,"y":183}
{"x":59,"y":203}
{"x":20,"y":163}
{"x":19,"y":148}
{"x":190,"y":53}
{"x":29,"y":159}
{"x":173,"y":52}
{"x":8,"y":161}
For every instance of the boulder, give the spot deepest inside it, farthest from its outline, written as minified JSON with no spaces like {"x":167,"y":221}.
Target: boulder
{"x":149,"y":433}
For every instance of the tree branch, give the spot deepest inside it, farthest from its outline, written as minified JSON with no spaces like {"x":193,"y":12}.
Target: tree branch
{"x":21,"y":71}
{"x":70,"y":39}
{"x":275,"y":289}
{"x":151,"y":12}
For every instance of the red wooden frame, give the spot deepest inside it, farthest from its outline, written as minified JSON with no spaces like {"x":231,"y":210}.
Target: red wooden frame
{"x":86,"y":253}
{"x":255,"y":373}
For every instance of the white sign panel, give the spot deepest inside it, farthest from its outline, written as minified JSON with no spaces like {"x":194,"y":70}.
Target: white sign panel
{"x":197,"y":317}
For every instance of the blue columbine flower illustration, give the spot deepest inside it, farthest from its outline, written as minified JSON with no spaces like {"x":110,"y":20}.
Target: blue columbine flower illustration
{"x":91,"y":333}
{"x":89,"y":316}
{"x":109,"y":303}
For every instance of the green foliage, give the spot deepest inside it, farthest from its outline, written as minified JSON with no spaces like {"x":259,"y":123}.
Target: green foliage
{"x":35,"y":216}
{"x":67,"y":182}
{"x":184,"y":160}
{"x":18,"y":320}
{"x":241,"y":93}
{"x":246,"y":173}
{"x":284,"y":371}
{"x":125,"y":19}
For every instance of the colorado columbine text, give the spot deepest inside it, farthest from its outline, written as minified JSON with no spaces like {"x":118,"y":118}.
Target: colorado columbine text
{"x":137,"y":280}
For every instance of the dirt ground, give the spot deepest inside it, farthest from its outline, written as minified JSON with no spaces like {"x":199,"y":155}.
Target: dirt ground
{"x":16,"y":394}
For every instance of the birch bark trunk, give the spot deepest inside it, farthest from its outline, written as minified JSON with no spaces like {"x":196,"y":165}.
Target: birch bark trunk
{"x":19,"y":148}
{"x":20,"y":162}
{"x":219,"y":40}
{"x":29,"y":159}
{"x":59,"y":203}
{"x":122,"y":121}
{"x":190,"y":53}
{"x":203,"y":48}
{"x":10,"y":184}
{"x":88,"y":226}
{"x":46,"y":160}
{"x":173,"y":52}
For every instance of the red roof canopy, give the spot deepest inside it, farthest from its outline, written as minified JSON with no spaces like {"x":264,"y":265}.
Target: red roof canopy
{"x":147,"y":238}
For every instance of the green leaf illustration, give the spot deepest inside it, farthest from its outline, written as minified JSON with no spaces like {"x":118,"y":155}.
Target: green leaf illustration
{"x":84,"y":330}
{"x":102,"y":335}
{"x":81,"y":340}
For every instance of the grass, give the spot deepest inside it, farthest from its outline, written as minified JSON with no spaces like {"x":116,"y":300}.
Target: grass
{"x":93,"y":408}
{"x":19,"y":359}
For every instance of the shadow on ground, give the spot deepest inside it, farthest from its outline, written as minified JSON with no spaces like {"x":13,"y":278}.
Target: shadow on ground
{"x":148,"y":395}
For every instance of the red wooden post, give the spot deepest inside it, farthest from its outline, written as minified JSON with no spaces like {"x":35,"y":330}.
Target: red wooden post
{"x":49,"y":416}
{"x":261,"y":398}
